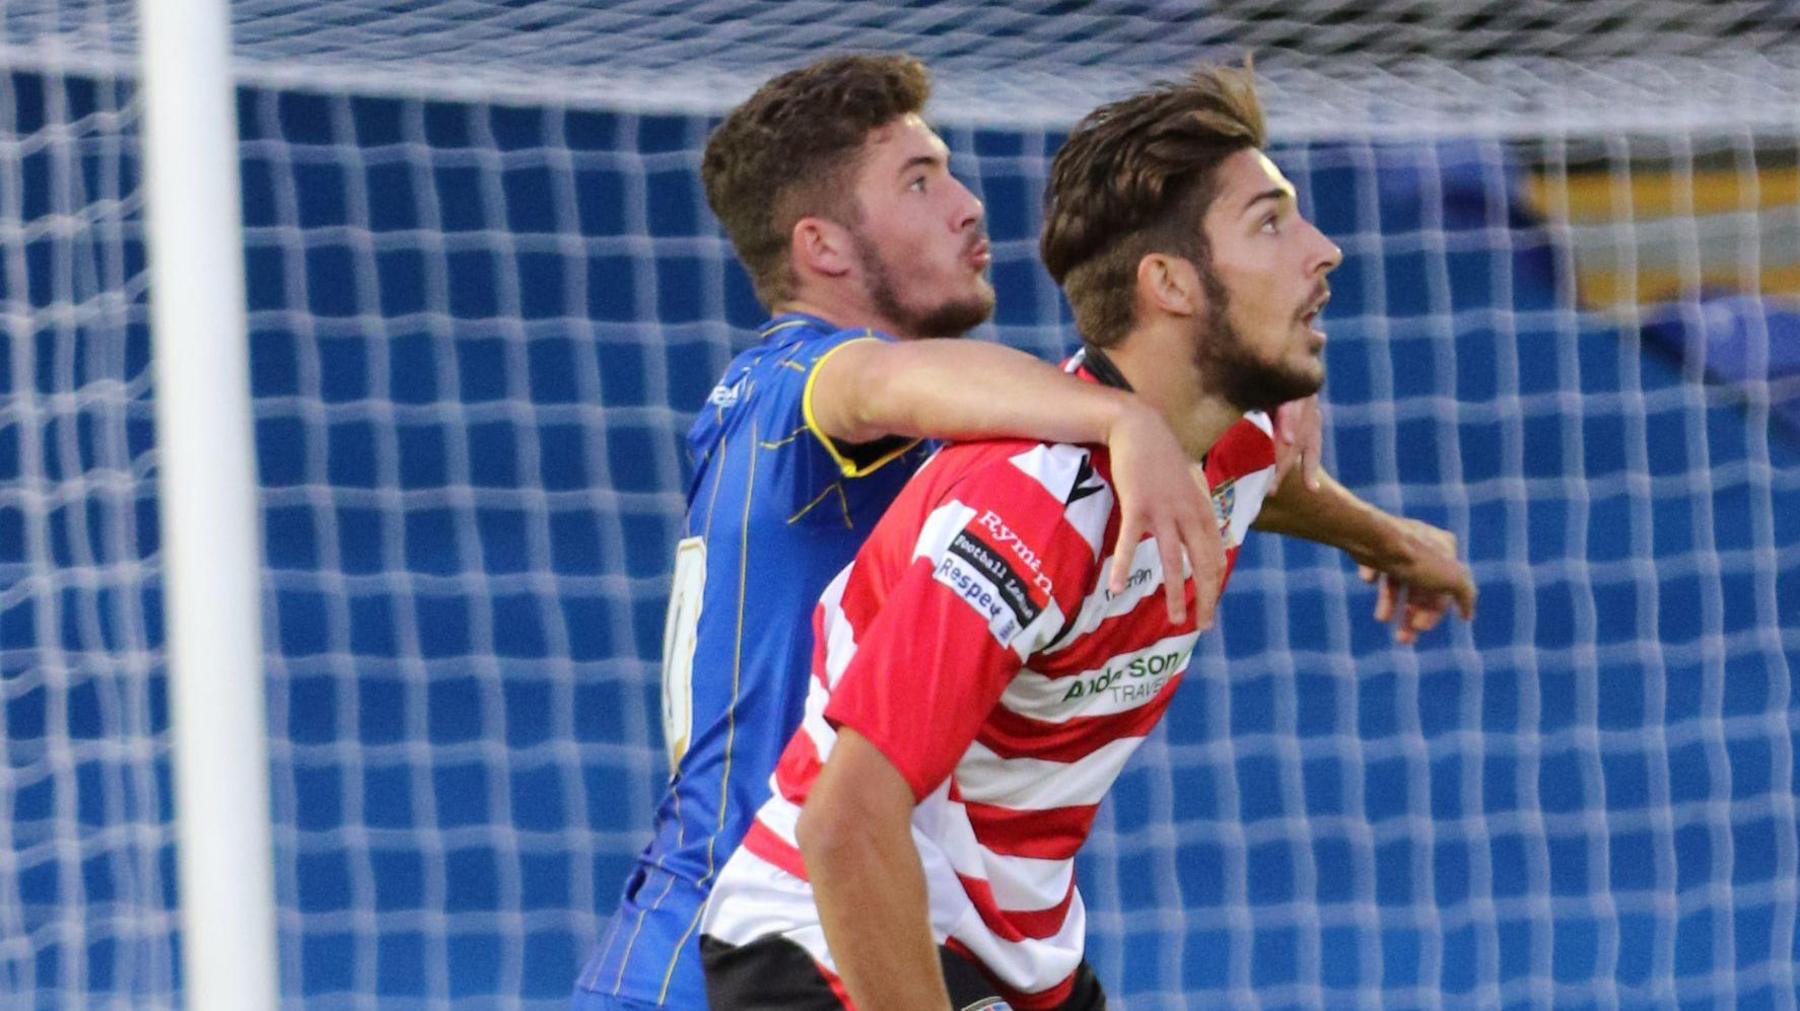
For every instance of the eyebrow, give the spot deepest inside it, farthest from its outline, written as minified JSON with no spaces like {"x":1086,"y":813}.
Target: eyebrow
{"x":926,"y":160}
{"x":1276,"y":193}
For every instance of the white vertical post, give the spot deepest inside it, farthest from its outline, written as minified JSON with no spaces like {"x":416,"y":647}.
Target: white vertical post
{"x":211,"y":543}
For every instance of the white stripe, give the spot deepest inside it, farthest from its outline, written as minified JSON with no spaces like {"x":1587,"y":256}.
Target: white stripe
{"x":1034,"y":636}
{"x":1252,"y":488}
{"x":1027,"y":884}
{"x":1028,"y":965}
{"x":754,"y":898}
{"x":940,"y":528}
{"x":1055,"y":467}
{"x":779,"y":815}
{"x":1023,"y":884}
{"x":1125,"y":682}
{"x":1145,"y":579}
{"x":840,"y":637}
{"x":1034,"y":784}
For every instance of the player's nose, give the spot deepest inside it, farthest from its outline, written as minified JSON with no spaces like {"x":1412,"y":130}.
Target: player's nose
{"x":969,"y":209}
{"x":1325,"y":254}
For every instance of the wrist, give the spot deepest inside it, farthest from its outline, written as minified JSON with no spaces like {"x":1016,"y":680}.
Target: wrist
{"x":1116,"y":414}
{"x":1394,"y":546}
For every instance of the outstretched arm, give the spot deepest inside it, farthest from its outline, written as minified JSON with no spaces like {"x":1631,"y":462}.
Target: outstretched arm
{"x":1415,"y":563}
{"x":967,"y":389}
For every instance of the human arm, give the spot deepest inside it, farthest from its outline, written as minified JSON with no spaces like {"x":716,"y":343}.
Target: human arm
{"x":966,"y":389}
{"x":855,"y":835}
{"x":1415,"y":563}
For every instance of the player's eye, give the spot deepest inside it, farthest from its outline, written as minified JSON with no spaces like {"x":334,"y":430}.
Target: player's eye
{"x":917,"y":185}
{"x":1271,"y":224}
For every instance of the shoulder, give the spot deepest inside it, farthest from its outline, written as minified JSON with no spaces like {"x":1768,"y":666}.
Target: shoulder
{"x":1040,"y":484}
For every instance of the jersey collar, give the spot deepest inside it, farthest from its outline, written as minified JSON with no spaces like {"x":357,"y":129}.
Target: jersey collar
{"x":1096,"y":363}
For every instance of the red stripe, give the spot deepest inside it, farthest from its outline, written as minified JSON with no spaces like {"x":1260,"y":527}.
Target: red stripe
{"x":818,"y":658}
{"x":798,"y":768}
{"x":1010,"y":735}
{"x":1041,"y":1000}
{"x":837,"y":986}
{"x":762,"y":841}
{"x":1016,"y":924}
{"x":1243,"y":449}
{"x":1145,"y":623}
{"x":1052,"y":834}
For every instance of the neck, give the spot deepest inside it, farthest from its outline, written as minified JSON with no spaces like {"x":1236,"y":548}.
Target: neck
{"x":844,"y":313}
{"x":1159,"y":364}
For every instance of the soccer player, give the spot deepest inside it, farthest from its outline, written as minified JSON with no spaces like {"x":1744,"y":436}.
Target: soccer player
{"x":977,"y":684}
{"x":840,"y":203}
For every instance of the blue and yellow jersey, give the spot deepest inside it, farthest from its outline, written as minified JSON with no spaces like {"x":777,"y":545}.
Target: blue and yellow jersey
{"x":775,"y":510}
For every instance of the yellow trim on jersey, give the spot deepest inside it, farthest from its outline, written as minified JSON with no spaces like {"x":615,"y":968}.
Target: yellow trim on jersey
{"x":837,"y":486}
{"x":846,"y":466}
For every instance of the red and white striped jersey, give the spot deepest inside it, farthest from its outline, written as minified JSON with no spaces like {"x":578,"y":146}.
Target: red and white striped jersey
{"x":974,"y":643}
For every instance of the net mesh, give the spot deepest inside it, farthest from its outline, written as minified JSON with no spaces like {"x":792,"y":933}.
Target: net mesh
{"x":486,"y":295}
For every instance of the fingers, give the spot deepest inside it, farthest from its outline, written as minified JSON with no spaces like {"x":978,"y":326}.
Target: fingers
{"x":1206,"y":553}
{"x":1131,"y":531}
{"x":1386,"y":593}
{"x":1465,"y":597}
{"x":1312,"y":443}
{"x":1174,"y":587}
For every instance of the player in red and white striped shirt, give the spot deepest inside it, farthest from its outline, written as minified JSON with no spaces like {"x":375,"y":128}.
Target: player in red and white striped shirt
{"x":977,"y":688}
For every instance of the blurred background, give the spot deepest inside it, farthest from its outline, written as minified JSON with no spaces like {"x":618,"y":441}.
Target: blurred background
{"x":486,"y":297}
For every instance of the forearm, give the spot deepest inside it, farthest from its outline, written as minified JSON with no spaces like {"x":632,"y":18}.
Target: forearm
{"x":872,"y":903}
{"x":969,"y":389}
{"x":855,"y":836}
{"x":1333,"y":515}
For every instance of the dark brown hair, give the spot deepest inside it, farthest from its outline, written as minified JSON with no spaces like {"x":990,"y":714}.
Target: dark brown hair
{"x":790,"y":151}
{"x":1136,"y":177}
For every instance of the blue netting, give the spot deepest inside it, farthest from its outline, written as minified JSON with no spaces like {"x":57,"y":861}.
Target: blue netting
{"x":477,"y":335}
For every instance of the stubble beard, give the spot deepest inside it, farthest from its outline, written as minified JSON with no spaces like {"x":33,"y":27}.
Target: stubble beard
{"x":1230,"y":368}
{"x":952,"y":318}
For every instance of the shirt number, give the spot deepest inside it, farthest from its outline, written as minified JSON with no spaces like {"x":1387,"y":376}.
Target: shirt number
{"x":679,"y":636}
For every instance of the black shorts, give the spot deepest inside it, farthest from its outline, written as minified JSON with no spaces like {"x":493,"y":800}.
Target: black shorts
{"x":775,"y":974}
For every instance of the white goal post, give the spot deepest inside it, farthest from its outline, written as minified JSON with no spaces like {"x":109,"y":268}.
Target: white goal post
{"x":207,"y":482}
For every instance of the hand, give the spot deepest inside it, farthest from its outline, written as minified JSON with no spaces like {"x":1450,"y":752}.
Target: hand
{"x":1417,"y":588}
{"x":1299,"y":437}
{"x":1163,"y":493}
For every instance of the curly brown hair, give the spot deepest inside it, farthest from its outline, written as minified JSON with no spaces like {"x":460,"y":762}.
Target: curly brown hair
{"x":791,"y":149}
{"x":1136,"y":177}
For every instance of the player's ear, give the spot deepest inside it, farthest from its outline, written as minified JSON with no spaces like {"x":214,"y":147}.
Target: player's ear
{"x":1171,"y":284}
{"x":818,"y":246}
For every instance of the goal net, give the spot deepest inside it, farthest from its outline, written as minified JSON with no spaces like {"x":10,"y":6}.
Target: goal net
{"x":486,"y":296}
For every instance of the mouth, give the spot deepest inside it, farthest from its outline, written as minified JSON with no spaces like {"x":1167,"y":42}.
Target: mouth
{"x":979,"y":254}
{"x":1309,"y":316}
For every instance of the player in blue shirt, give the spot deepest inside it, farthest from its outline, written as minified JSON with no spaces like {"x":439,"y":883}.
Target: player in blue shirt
{"x":840,"y":203}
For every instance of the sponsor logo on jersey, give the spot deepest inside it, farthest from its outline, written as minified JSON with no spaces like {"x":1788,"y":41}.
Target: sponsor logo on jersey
{"x":1136,"y":680}
{"x":1004,"y":537}
{"x":1137,"y":579}
{"x":1014,"y":591}
{"x":725,"y":396}
{"x":996,"y":573}
{"x":974,"y":588}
